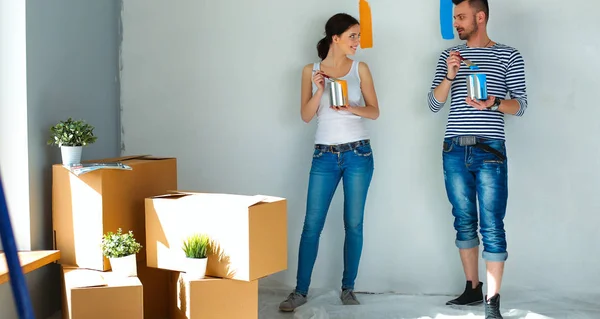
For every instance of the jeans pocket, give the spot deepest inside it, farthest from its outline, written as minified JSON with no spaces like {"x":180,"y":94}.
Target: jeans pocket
{"x":495,"y":160}
{"x":495,"y":154}
{"x":448,"y":146}
{"x":363,"y":150}
{"x":317,"y":153}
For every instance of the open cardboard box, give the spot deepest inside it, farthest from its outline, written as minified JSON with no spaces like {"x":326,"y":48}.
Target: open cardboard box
{"x":90,"y":294}
{"x":249,"y":233}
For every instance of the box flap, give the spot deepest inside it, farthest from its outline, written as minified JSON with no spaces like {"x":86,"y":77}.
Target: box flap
{"x":268,"y":199}
{"x":226,"y":199}
{"x":117,"y":280}
{"x":83,"y":278}
{"x":116,"y":159}
{"x":179,"y":191}
{"x":155,"y":158}
{"x":220,"y":199}
{"x":170,"y":196}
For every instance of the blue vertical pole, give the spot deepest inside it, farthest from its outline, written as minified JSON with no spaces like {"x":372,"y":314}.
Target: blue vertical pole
{"x":17,"y":279}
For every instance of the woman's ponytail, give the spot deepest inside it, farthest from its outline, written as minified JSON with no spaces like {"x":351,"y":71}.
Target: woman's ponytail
{"x":323,"y":47}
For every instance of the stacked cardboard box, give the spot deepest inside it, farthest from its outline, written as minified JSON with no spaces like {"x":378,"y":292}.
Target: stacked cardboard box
{"x":86,"y":206}
{"x":249,"y":236}
{"x":92,"y":294}
{"x":249,"y":233}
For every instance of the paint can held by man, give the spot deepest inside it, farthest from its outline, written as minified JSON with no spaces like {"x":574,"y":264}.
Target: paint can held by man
{"x":477,"y":85}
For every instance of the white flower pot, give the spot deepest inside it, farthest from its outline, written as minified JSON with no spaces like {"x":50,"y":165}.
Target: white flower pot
{"x":196,"y":268}
{"x":124,"y":266}
{"x":71,"y":154}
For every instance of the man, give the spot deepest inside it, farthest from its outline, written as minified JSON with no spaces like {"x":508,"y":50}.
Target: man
{"x":474,"y":153}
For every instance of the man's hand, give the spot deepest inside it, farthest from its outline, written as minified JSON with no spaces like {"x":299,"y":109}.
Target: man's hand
{"x":481,"y":105}
{"x":453,"y":64}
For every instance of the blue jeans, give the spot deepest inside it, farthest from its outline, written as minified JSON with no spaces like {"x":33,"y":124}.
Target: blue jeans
{"x":473,"y":174}
{"x":352,"y":162}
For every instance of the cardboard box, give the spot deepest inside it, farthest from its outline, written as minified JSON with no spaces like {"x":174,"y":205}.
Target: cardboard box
{"x":90,"y":294}
{"x":249,"y":232}
{"x":87,"y":206}
{"x":158,"y":291}
{"x":214,"y":298}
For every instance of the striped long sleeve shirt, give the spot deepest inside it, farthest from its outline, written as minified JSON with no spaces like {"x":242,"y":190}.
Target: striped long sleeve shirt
{"x":505,"y":72}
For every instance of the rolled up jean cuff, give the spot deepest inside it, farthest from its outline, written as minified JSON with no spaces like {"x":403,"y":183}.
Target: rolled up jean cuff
{"x":495,"y":256}
{"x":304,"y":293}
{"x":466,"y":244}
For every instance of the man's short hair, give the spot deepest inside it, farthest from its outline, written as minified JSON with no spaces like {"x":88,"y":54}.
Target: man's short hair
{"x":478,"y":5}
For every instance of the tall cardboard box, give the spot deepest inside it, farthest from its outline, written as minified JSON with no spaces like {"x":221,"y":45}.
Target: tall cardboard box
{"x":248,"y":232}
{"x":85,"y":207}
{"x":214,"y":298}
{"x":90,"y":294}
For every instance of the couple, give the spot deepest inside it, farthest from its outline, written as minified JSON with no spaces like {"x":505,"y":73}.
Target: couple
{"x":473,"y":152}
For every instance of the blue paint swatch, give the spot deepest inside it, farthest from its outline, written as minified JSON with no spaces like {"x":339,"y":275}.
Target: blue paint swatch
{"x":446,"y":19}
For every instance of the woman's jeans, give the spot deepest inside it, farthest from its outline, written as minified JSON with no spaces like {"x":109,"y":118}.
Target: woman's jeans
{"x":477,"y":174}
{"x":353,"y":163}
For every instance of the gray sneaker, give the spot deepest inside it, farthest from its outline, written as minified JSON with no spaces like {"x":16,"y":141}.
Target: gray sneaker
{"x":293,"y":301}
{"x":349,"y":298}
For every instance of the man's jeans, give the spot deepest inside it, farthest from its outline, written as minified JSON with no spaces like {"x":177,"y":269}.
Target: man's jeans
{"x":470,"y":174}
{"x":354,"y":164}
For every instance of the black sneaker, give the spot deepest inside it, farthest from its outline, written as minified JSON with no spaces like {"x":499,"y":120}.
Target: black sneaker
{"x":470,"y":297}
{"x":492,"y":307}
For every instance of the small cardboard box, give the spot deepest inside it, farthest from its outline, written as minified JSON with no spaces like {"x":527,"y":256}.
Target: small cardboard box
{"x":87,"y":206}
{"x":90,"y":294}
{"x":249,"y":233}
{"x":214,"y":298}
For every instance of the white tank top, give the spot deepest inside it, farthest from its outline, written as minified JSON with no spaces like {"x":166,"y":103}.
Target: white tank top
{"x":338,"y":127}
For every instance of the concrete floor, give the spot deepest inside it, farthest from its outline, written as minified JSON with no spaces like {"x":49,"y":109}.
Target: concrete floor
{"x":515,"y":304}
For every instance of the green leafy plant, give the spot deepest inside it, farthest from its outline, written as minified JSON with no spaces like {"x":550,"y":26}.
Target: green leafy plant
{"x":119,"y":244}
{"x":196,"y":246}
{"x":72,"y":133}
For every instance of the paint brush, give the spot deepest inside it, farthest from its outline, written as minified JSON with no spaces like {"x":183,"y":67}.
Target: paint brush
{"x":326,"y":76}
{"x":467,"y":62}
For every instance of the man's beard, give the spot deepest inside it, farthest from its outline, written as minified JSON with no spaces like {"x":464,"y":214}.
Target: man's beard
{"x":466,"y":36}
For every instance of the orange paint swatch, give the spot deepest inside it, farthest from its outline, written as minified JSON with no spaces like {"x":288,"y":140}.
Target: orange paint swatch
{"x":366,"y":28}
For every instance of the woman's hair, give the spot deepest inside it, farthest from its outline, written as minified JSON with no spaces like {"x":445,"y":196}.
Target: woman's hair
{"x":336,"y":25}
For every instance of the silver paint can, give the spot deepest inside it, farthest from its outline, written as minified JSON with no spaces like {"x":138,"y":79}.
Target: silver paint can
{"x":477,"y":86}
{"x":338,"y":93}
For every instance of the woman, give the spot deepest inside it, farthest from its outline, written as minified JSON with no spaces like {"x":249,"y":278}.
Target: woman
{"x":342,"y":151}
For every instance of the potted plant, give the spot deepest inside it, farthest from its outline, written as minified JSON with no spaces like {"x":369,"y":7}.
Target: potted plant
{"x":121,"y":250}
{"x":71,"y":136}
{"x":196,"y":248}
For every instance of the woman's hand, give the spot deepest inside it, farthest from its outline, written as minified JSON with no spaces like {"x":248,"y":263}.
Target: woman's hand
{"x":343,"y":108}
{"x":319,"y":80}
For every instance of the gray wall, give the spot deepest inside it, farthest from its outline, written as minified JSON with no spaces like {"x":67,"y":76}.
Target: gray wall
{"x":241,"y":84}
{"x":72,"y":71}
